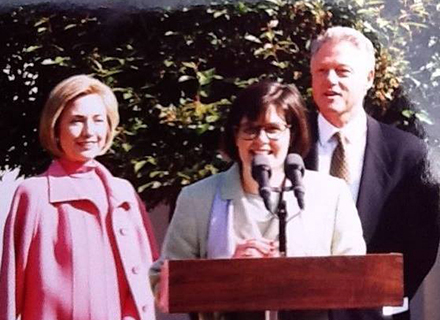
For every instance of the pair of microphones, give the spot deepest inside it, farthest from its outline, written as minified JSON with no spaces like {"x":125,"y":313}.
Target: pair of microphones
{"x":294,"y":170}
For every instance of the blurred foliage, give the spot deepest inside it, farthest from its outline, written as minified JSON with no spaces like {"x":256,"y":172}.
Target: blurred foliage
{"x":176,"y":72}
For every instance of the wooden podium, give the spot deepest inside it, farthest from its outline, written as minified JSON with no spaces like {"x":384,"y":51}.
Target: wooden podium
{"x":333,"y":282}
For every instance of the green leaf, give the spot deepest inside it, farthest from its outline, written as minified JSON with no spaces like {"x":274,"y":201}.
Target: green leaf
{"x":280,"y":64}
{"x":205,"y":77}
{"x":252,"y":38}
{"x":32,"y":49}
{"x":139,"y":165}
{"x":278,"y":3}
{"x":170,"y":33}
{"x":424,"y":117}
{"x":41,"y":21}
{"x":435,"y":74}
{"x":127,"y":95}
{"x":220,"y":13}
{"x":190,"y":65}
{"x":168,"y":63}
{"x":126,"y":146}
{"x":61,"y":61}
{"x":185,"y":78}
{"x":70,"y":26}
{"x":407,"y":113}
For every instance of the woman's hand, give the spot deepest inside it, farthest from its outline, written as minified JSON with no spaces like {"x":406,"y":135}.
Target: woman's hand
{"x":256,"y":248}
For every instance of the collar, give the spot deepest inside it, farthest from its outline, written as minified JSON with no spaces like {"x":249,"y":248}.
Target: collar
{"x":230,"y":183}
{"x":353,"y":131}
{"x":78,"y":169}
{"x":64,"y":187}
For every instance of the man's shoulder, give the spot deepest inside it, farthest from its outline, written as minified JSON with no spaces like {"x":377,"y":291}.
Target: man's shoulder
{"x":399,"y":134}
{"x":397,"y":140}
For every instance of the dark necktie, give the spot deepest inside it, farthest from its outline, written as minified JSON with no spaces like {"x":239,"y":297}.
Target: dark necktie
{"x":339,"y":165}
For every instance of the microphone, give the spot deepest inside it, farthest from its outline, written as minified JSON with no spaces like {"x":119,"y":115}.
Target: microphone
{"x":261,"y":173}
{"x":294,"y":169}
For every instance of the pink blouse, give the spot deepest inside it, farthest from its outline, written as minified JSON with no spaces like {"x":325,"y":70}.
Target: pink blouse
{"x":78,"y":245}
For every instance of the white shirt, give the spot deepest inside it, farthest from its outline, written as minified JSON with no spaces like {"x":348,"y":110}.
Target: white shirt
{"x":355,"y":133}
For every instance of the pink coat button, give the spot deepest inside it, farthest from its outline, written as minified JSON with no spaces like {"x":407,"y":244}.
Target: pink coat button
{"x":144,"y":308}
{"x":135,"y":270}
{"x":123,"y":231}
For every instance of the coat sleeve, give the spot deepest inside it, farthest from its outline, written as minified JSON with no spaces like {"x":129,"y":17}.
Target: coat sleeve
{"x":348,"y":236}
{"x":18,"y":236}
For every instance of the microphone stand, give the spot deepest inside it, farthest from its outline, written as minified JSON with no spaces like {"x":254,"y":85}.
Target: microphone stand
{"x":281,"y":212}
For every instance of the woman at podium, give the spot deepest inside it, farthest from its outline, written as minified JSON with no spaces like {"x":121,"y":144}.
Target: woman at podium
{"x":233,"y":214}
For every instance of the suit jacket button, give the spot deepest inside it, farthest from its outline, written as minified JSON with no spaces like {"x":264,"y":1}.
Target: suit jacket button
{"x":144,"y":308}
{"x":123,"y":231}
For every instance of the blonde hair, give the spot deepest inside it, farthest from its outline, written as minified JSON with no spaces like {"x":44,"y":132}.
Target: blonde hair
{"x":355,"y":37}
{"x":62,"y":96}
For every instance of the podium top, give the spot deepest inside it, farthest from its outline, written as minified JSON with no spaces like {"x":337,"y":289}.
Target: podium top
{"x":331,"y":282}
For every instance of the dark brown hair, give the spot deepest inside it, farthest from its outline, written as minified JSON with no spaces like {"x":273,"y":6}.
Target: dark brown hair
{"x":253,"y":103}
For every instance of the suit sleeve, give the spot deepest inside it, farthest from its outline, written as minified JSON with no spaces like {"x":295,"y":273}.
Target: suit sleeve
{"x":347,"y":237}
{"x":18,"y":235}
{"x":419,"y":205}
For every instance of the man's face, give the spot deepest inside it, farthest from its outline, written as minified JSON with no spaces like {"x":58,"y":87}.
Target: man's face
{"x":340,"y":80}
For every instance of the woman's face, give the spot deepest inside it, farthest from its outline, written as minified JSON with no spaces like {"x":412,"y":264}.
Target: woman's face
{"x":272,"y":138}
{"x":83,"y":128}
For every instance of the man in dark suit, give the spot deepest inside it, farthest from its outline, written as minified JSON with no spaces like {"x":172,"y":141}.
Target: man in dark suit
{"x":383,"y":166}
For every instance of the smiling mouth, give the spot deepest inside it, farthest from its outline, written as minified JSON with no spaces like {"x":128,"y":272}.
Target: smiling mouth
{"x":331,"y":94}
{"x":87,"y":144}
{"x":265,"y":152}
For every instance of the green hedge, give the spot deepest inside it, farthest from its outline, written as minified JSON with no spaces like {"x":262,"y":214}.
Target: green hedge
{"x":176,"y":72}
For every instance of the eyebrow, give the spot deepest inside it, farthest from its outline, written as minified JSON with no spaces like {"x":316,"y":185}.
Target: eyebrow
{"x":77,"y":115}
{"x":254,"y":124}
{"x":332,"y":63}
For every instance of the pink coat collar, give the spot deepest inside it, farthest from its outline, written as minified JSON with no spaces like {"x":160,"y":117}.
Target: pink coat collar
{"x":62,"y":187}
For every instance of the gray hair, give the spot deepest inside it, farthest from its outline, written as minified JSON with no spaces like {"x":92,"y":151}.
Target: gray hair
{"x":339,"y":34}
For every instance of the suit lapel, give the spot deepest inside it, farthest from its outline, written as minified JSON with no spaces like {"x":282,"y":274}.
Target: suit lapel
{"x":374,"y":179}
{"x":311,"y":160}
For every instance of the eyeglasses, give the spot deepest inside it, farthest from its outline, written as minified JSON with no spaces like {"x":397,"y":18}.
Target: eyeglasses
{"x":273,"y":131}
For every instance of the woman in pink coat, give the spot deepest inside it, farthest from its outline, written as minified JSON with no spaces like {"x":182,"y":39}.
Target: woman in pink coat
{"x":77,"y":242}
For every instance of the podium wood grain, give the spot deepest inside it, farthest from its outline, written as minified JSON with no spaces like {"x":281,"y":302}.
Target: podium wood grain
{"x":282,"y":283}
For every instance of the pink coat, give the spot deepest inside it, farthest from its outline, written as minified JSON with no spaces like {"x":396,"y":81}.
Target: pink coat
{"x":57,"y":259}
